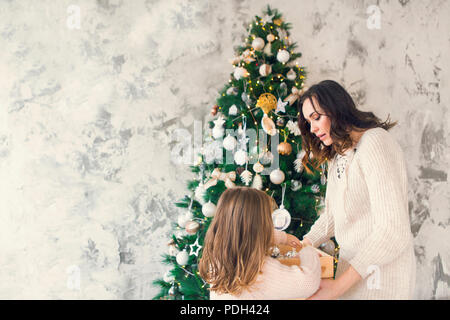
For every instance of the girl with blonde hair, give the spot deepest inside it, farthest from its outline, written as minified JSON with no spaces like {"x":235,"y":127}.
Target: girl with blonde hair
{"x":236,"y":259}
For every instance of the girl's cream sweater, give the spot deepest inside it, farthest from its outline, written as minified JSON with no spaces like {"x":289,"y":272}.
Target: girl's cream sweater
{"x":278,"y":281}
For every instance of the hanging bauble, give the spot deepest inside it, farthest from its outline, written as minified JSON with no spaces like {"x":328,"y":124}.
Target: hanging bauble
{"x":296,"y":185}
{"x":267,"y":102}
{"x":258,"y":167}
{"x":209,"y":209}
{"x":291,"y":75}
{"x":173,"y":251}
{"x":257,"y":182}
{"x":232,"y":91}
{"x":277,"y":176}
{"x":265,"y":70}
{"x":315,"y":188}
{"x":240,"y":72}
{"x":182,"y":258}
{"x":233,"y":110}
{"x":199,"y":193}
{"x":268,"y":125}
{"x":283,"y":56}
{"x":246,"y":177}
{"x":168,"y":277}
{"x":240,"y":157}
{"x":323,"y":179}
{"x":270,"y":38}
{"x":284,"y":148}
{"x":192,"y":227}
{"x":280,"y":122}
{"x":266,"y":157}
{"x":182,"y":220}
{"x":245,"y":98}
{"x":281,"y":218}
{"x":258,"y":43}
{"x":328,"y":247}
{"x":229,"y":143}
{"x":268,"y":49}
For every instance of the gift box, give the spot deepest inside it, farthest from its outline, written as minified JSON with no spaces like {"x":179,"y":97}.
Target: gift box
{"x":289,"y":256}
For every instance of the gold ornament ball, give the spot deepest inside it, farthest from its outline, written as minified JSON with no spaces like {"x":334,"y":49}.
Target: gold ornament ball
{"x":267,"y":102}
{"x":284,"y":148}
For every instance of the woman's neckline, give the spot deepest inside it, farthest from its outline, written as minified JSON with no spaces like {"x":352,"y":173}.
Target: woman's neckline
{"x":356,"y":145}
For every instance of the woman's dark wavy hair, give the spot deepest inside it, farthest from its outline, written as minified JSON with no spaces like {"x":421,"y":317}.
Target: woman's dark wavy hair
{"x":339,"y":106}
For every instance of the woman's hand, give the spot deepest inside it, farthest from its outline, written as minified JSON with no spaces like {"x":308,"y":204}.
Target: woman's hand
{"x":329,"y":289}
{"x":293,"y":241}
{"x":306,"y":242}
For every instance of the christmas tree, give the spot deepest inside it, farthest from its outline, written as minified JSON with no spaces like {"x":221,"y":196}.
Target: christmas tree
{"x":257,"y":112}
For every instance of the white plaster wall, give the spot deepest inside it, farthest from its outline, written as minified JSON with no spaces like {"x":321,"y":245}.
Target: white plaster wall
{"x":87,"y":184}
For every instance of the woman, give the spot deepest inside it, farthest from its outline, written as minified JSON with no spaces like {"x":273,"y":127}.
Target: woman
{"x":366,"y":203}
{"x":236,"y":258}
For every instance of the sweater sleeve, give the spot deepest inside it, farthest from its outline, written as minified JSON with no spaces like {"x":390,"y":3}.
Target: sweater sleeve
{"x":296,"y":282}
{"x":382,"y":164}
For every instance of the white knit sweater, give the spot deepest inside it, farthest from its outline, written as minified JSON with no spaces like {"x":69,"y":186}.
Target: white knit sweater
{"x":366,"y":209}
{"x":277,"y":281}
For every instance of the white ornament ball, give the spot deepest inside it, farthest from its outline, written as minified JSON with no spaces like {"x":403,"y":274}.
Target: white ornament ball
{"x":232,"y":91}
{"x":240,"y":157}
{"x":173,"y":251}
{"x":281,"y":218}
{"x":277,"y":176}
{"x":257,"y":182}
{"x":192,"y":227}
{"x":229,"y":143}
{"x":240,"y":72}
{"x":200,"y":193}
{"x":283,"y":56}
{"x":209,"y":209}
{"x":258,"y":167}
{"x":182,"y":258}
{"x":182,"y":220}
{"x":291,"y":75}
{"x":168,"y":277}
{"x":258,"y":43}
{"x":265,"y":70}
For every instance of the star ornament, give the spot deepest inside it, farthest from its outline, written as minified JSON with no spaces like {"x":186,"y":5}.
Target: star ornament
{"x":281,"y":106}
{"x":196,"y":251}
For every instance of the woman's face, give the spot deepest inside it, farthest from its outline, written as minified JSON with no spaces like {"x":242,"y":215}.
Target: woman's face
{"x":319,"y":122}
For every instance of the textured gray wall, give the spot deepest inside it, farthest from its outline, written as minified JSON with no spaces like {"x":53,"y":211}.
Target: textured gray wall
{"x":86,"y":115}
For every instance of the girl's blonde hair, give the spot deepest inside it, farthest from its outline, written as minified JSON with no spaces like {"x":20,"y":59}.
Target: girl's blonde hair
{"x":238,"y":240}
